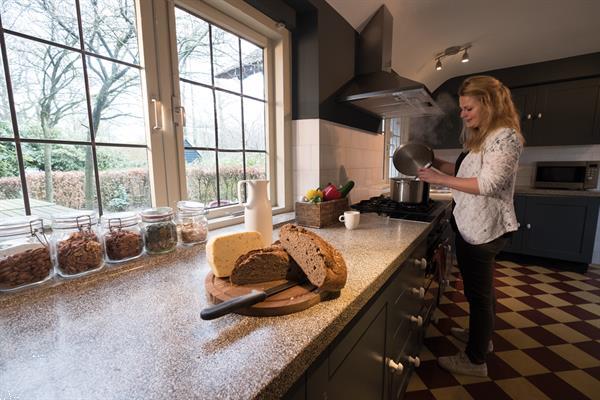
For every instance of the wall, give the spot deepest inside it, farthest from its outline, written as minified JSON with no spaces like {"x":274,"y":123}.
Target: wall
{"x":325,"y":152}
{"x":525,"y":174}
{"x":531,"y":155}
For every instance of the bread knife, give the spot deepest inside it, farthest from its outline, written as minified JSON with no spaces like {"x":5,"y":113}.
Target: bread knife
{"x":255,"y":296}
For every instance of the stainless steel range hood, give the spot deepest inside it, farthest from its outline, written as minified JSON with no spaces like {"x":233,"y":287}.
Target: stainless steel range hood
{"x":377,"y":89}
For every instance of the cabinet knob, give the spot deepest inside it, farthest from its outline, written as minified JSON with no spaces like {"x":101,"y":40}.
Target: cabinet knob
{"x":539,"y":116}
{"x":518,"y":224}
{"x":416,"y":361}
{"x":417,"y":319}
{"x":528,"y":226}
{"x":422,"y":263}
{"x":419,"y":292}
{"x":396,"y":368}
{"x":528,"y":116}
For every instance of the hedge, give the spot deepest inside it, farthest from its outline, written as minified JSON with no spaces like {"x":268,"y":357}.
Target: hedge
{"x":126,"y":189}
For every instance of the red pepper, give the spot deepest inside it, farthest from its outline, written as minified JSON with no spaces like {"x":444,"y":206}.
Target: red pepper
{"x":331,"y":193}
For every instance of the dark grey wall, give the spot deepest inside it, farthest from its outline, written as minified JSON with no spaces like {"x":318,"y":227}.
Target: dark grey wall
{"x":323,"y":60}
{"x":577,"y":67}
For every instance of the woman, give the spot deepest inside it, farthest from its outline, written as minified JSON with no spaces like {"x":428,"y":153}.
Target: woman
{"x":482,"y":183}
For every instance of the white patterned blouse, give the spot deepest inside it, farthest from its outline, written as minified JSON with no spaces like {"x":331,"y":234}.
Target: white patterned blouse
{"x":490,"y":214}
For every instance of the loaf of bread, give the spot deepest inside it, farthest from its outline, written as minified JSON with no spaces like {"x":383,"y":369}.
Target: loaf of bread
{"x":223,"y":251}
{"x":322,"y":263}
{"x":263,"y":265}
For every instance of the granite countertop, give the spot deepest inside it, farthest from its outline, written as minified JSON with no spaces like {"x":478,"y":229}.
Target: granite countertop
{"x":556,"y":192}
{"x":135,"y":332}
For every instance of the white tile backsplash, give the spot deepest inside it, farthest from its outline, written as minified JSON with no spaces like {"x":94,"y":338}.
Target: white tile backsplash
{"x":328,"y":152}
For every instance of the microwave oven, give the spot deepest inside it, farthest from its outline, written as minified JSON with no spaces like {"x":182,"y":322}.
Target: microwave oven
{"x":576,"y":175}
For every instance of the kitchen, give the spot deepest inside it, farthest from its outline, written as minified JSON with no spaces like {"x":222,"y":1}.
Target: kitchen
{"x":138,"y":328}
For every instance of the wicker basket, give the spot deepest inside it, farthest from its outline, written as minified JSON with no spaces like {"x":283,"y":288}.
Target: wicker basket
{"x":318,"y":215}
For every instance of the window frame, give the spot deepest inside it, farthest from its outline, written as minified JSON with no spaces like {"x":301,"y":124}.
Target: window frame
{"x":242,"y":20}
{"x":85,"y":54}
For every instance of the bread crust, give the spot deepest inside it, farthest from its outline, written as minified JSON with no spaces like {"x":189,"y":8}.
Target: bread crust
{"x":322,"y":263}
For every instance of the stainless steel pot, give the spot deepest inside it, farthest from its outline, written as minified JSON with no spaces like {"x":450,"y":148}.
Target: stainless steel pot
{"x":409,"y":190}
{"x":409,"y":157}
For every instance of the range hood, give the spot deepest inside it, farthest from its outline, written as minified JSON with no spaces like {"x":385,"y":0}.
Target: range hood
{"x":376,"y":88}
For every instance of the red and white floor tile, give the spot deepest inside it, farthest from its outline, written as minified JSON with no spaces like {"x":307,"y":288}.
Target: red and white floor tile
{"x":546,"y":339}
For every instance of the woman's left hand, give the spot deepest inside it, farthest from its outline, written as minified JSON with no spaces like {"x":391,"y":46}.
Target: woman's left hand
{"x":429,"y":175}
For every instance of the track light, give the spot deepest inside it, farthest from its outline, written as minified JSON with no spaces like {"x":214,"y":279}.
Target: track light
{"x":465,"y":57}
{"x":450,"y":51}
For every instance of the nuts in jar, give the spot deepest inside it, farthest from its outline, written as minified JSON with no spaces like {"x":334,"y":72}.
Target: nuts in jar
{"x":192,"y":225}
{"x":76,"y":244}
{"x":80,"y":252}
{"x":123,"y":240}
{"x":24,"y":254}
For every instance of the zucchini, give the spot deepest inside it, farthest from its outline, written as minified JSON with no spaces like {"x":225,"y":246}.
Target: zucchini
{"x":344,"y":190}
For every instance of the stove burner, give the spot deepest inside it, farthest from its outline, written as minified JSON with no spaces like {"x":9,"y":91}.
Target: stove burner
{"x":386,"y":206}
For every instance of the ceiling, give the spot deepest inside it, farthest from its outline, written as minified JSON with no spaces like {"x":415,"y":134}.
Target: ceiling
{"x":502,"y":33}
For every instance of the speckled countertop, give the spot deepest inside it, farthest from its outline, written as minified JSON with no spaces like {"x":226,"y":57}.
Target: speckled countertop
{"x":135,"y":332}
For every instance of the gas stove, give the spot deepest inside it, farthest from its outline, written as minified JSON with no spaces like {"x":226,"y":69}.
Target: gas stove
{"x":382,"y":205}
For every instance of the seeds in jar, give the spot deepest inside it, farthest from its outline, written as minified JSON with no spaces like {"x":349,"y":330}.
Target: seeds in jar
{"x":122,"y":244}
{"x":192,"y":232}
{"x":25,"y":267}
{"x":80,"y":252}
{"x":160,"y":237}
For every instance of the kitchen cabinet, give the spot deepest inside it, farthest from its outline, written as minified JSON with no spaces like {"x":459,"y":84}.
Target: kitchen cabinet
{"x":561,"y":228}
{"x":374,"y":356}
{"x":564,"y":113}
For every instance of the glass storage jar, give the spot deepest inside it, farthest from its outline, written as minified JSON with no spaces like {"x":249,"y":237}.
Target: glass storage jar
{"x":75,"y":243}
{"x":25,"y":258}
{"x":122,"y":237}
{"x":160,"y":233}
{"x":192,"y":225}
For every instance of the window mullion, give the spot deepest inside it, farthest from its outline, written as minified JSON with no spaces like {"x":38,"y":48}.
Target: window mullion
{"x":88,"y":98}
{"x":13,"y":116}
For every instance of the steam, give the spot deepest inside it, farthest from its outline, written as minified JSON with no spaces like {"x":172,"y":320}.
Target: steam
{"x":433,"y":128}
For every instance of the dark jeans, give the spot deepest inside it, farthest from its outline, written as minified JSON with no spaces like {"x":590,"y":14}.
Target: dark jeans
{"x":476,"y":264}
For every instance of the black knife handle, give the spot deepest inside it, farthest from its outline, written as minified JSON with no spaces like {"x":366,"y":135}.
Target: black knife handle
{"x":216,"y":311}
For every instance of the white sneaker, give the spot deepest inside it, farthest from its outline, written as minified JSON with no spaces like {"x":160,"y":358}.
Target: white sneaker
{"x":460,"y":364}
{"x":463,"y":335}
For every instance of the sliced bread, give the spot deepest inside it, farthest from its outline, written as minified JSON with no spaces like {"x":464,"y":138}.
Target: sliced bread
{"x":322,"y":263}
{"x":263,"y":265}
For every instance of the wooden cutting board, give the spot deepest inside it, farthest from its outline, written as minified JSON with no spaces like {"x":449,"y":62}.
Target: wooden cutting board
{"x":296,"y":298}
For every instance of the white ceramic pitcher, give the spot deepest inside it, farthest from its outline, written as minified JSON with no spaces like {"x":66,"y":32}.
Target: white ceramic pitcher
{"x":257,"y":211}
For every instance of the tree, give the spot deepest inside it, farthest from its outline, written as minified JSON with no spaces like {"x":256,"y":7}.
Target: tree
{"x":110,"y":30}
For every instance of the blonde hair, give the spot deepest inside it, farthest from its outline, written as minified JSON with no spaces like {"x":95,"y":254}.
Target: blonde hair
{"x":497,"y":110}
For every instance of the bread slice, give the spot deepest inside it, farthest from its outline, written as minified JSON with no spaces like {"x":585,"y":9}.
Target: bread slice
{"x":263,"y":265}
{"x":222,"y":251}
{"x":322,"y":263}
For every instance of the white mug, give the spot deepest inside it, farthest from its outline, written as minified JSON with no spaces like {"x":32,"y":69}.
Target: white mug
{"x":350,"y":219}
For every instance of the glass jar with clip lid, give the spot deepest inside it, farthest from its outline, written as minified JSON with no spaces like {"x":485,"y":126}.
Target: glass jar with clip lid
{"x":24,"y":253}
{"x":75,"y":243}
{"x":160,"y":232}
{"x":192,"y":225}
{"x":122,"y":237}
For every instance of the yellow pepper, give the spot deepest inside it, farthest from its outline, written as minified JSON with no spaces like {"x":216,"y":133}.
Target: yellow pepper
{"x":314,"y":195}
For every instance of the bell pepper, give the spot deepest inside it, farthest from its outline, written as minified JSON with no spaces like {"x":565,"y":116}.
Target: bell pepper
{"x":331,"y":193}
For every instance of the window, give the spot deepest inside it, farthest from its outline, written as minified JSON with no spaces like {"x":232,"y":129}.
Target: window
{"x":94,"y":96}
{"x":395,"y":131}
{"x":221,"y":81}
{"x":72,"y":130}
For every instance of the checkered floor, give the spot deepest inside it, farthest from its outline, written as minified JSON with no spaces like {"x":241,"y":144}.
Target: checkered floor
{"x":546,"y":339}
